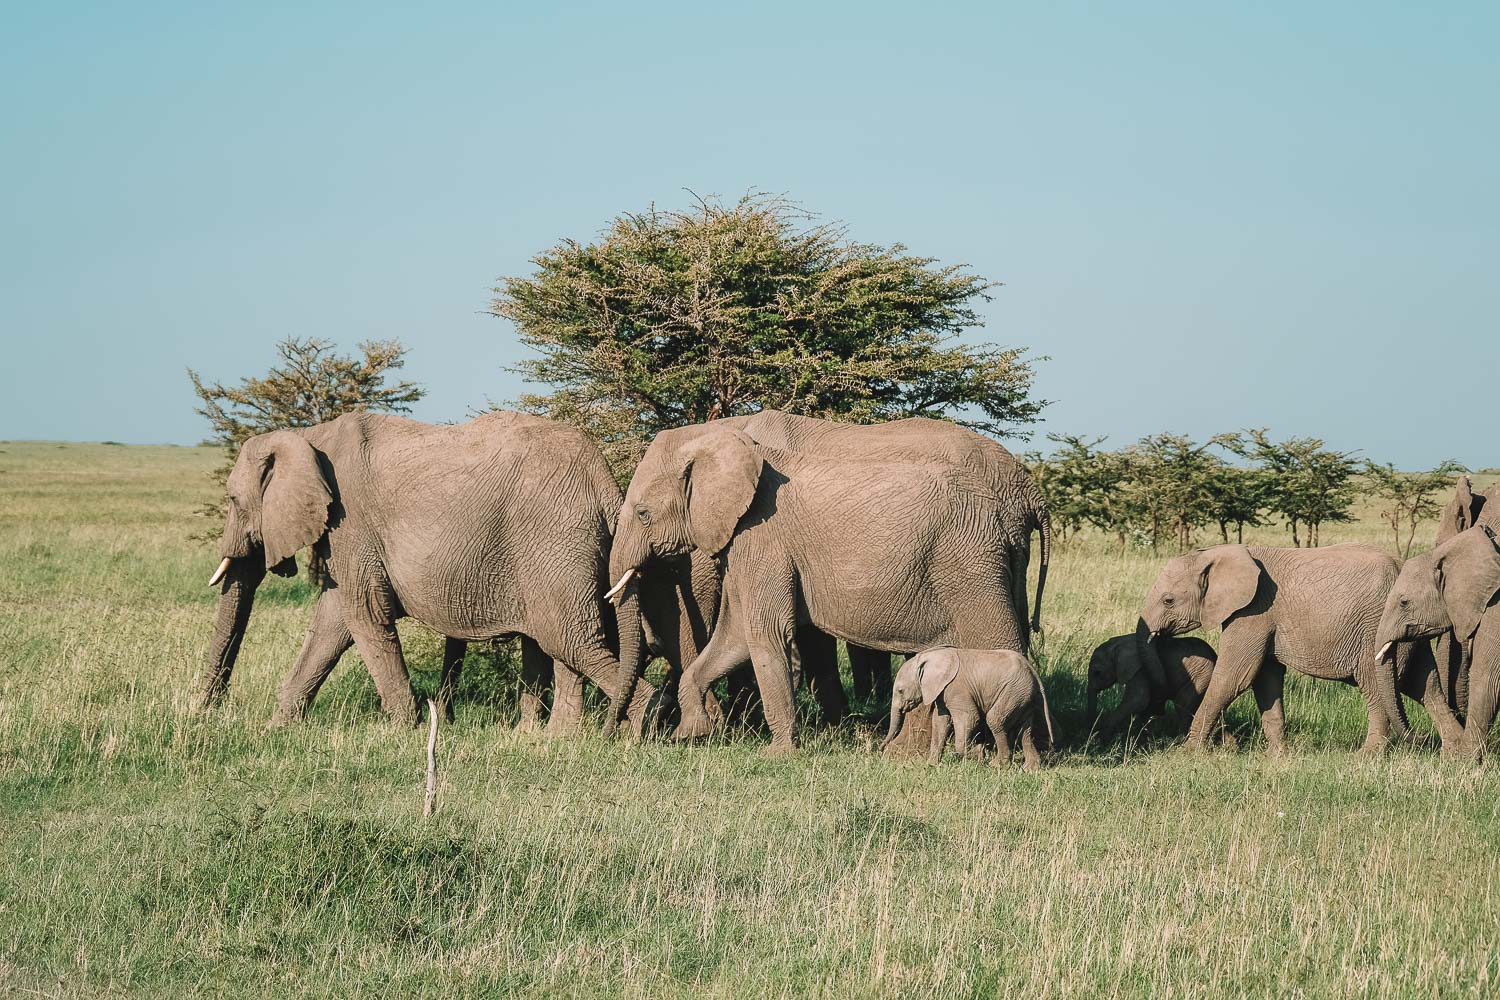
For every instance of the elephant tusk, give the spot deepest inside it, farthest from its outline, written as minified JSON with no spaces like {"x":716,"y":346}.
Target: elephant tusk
{"x":613,"y":592}
{"x":1384,"y":651}
{"x":213,"y":581}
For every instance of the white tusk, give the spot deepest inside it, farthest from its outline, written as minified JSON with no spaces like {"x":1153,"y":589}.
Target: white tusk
{"x":613,"y":592}
{"x":1383,"y":651}
{"x":213,"y":581}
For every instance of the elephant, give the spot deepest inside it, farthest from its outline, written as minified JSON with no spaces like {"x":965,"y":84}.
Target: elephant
{"x":495,"y":527}
{"x":1314,"y":610}
{"x":927,"y":565}
{"x":1454,"y":588}
{"x":964,"y":686}
{"x":1187,"y":663}
{"x":923,"y":439}
{"x":1465,"y":510}
{"x":914,"y":439}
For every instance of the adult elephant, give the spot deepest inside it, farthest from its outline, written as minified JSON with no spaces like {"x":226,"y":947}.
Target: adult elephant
{"x":680,"y":600}
{"x":1464,"y":510}
{"x":1453,"y":588}
{"x":1023,"y":509}
{"x":495,"y":527}
{"x":887,"y":555}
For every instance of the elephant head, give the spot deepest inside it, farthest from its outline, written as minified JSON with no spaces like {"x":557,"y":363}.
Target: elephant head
{"x":1122,"y":659}
{"x":688,"y":494}
{"x":921,"y":679}
{"x":278,"y":496}
{"x":1449,"y":587}
{"x":1201,"y":589}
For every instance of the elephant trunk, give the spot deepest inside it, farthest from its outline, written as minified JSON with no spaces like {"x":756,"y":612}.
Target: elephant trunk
{"x":627,"y":552}
{"x":236,"y":595}
{"x":1093,"y":702}
{"x":1145,"y":644}
{"x":898,"y":716}
{"x":632,"y":657}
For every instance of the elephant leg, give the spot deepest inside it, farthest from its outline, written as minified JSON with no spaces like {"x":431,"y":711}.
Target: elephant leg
{"x":1268,"y":686}
{"x":453,"y":664}
{"x":1419,"y":682}
{"x":567,"y":700}
{"x":1484,"y":687}
{"x":942,"y":727}
{"x":599,"y":665}
{"x":1020,"y":559}
{"x":770,"y":654}
{"x":996,"y":720}
{"x":535,"y":666}
{"x":965,"y":721}
{"x":380,"y":647}
{"x":1377,"y":682}
{"x":1003,"y":751}
{"x":327,"y":639}
{"x":820,"y":661}
{"x":871,"y":672}
{"x":1135,"y":703}
{"x":1239,"y":663}
{"x":725,"y":652}
{"x":1029,"y":752}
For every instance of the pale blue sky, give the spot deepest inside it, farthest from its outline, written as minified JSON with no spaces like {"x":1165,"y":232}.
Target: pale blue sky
{"x":1210,"y":216}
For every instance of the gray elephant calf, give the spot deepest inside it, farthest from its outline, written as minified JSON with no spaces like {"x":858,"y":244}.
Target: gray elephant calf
{"x":1185,"y":664}
{"x":964,"y":686}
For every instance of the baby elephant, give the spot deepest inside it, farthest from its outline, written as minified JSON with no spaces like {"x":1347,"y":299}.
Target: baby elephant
{"x":964,"y":686}
{"x":1183,"y":664}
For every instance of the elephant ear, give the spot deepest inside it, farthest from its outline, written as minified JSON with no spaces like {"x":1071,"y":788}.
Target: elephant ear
{"x":295,"y":497}
{"x":720,"y":473}
{"x":1458,"y":513}
{"x":1229,"y":582}
{"x":935,"y":673}
{"x":1468,"y":571}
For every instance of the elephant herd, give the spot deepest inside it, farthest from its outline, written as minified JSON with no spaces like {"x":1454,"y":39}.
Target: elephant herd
{"x":757,"y":541}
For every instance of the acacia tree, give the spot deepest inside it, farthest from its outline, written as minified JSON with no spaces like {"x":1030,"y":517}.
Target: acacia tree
{"x":676,"y":317}
{"x":1307,"y":483}
{"x":313,"y":383}
{"x":1409,"y":497}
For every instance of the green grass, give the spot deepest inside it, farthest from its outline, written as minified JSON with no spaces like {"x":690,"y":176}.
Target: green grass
{"x":146,"y":850}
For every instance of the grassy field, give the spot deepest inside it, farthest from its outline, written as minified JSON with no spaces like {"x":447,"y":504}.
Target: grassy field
{"x":149,"y":851}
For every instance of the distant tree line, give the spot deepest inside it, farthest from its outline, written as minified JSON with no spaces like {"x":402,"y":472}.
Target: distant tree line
{"x":1166,"y":489}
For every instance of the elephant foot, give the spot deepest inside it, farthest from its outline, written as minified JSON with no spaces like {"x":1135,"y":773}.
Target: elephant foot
{"x":1276,"y":751}
{"x":403,"y":715}
{"x":693,"y":728}
{"x":281,"y":719}
{"x":1462,"y":750}
{"x":1195,"y":746}
{"x":780,"y":748}
{"x":563,"y":726}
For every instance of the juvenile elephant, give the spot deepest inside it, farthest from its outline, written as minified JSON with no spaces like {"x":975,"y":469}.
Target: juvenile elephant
{"x":1314,"y":610}
{"x":926,"y":566}
{"x":498,"y":526}
{"x":1454,"y":588}
{"x":964,"y":686}
{"x":1187,"y":663}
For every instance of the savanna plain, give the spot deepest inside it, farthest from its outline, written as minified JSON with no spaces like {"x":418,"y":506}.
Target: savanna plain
{"x":149,"y":850}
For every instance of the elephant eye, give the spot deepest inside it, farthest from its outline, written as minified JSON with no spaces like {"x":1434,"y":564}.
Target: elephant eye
{"x":643,"y":514}
{"x":1169,"y":600}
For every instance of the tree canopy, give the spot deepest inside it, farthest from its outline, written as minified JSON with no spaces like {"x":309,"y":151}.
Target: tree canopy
{"x":676,"y":317}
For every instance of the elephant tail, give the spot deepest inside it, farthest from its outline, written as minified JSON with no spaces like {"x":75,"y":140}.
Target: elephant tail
{"x":1046,"y":708}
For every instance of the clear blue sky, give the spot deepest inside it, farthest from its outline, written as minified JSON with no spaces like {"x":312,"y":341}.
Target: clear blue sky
{"x":1209,"y":216}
